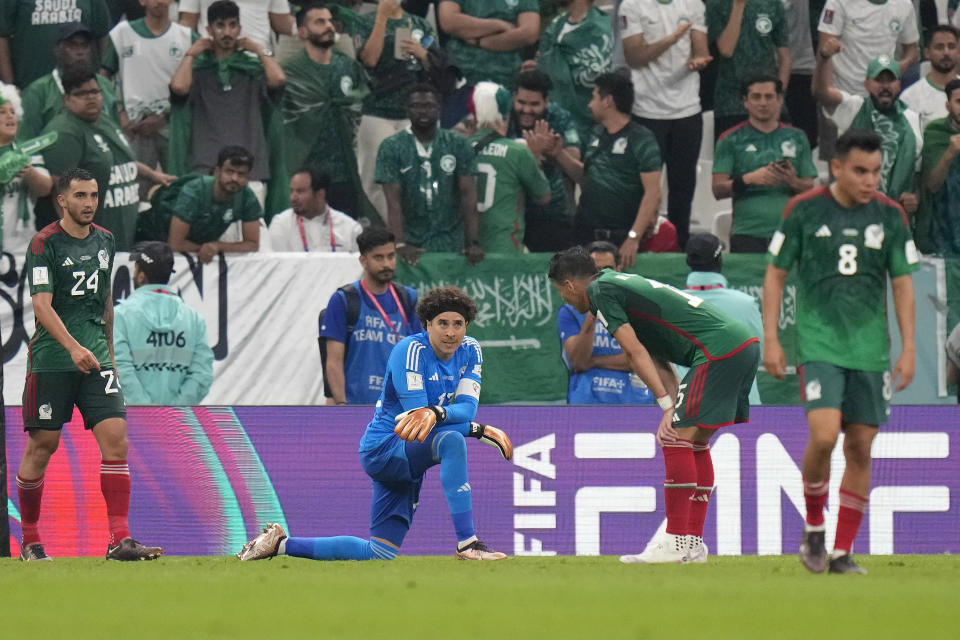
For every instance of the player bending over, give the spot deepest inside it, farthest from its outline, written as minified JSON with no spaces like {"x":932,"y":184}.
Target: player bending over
{"x":844,"y":239}
{"x":656,"y":324}
{"x":429,"y":399}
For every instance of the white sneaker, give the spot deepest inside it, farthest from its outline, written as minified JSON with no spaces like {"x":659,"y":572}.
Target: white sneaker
{"x":697,"y":551}
{"x":671,"y":549}
{"x":477,"y":550}
{"x":264,"y":545}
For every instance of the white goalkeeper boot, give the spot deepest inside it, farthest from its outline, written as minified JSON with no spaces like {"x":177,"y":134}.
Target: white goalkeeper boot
{"x":669,"y":549}
{"x":264,"y":545}
{"x":697,"y":551}
{"x":477,"y":550}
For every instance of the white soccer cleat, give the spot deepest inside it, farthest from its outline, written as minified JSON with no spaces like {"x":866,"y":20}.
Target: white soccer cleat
{"x":477,"y":550}
{"x":264,"y":545}
{"x":697,"y":551}
{"x":671,"y":549}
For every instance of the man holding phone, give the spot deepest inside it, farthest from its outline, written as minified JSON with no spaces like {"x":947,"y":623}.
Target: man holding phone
{"x":761,"y":163}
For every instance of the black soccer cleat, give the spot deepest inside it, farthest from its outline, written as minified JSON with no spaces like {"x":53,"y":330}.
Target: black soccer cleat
{"x":845,"y":564}
{"x":129,"y":550}
{"x":34,"y":552}
{"x":813,"y":551}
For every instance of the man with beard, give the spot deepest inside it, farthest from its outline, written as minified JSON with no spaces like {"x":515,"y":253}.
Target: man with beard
{"x":428,"y":176}
{"x":208,"y":205}
{"x":926,"y":96}
{"x":882,"y":112}
{"x":222,"y":96}
{"x":311,"y":224}
{"x":321,"y":108}
{"x":363,"y":321}
{"x":550,"y":225}
{"x":43,"y":98}
{"x":938,"y":222}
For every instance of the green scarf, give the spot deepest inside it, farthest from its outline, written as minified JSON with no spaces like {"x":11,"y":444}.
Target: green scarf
{"x":936,"y":229}
{"x":899,"y":146}
{"x":181,"y":128}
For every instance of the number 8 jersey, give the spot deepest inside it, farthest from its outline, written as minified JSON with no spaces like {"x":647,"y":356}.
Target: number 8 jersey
{"x":843,"y":257}
{"x":77,"y":272}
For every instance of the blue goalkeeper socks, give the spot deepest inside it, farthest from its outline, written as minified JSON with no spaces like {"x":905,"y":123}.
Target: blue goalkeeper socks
{"x":451,"y":449}
{"x":339,"y":548}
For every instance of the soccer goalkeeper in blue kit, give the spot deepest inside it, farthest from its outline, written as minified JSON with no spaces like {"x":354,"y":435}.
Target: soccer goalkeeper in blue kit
{"x":429,"y":400}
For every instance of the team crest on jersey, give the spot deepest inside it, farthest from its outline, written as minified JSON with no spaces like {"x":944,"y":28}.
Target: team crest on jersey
{"x":126,"y":52}
{"x":512,"y":3}
{"x":788,"y":149}
{"x":448,"y":163}
{"x":228,"y":215}
{"x":45,"y":412}
{"x":873,"y":236}
{"x":813,"y":391}
{"x":346,"y":84}
{"x":895,"y":26}
{"x":619,"y":146}
{"x":103,"y":259}
{"x":764,"y":24}
{"x":175,"y":51}
{"x":101,"y":143}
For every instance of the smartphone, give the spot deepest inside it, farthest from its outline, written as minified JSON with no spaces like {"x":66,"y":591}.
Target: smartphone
{"x":399,"y":35}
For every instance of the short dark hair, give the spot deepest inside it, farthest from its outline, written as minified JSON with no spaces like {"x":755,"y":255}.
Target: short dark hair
{"x":952,"y":86}
{"x":941,"y":28}
{"x":318,"y":177}
{"x":602,"y":246}
{"x":306,"y":6}
{"x":154,"y":258}
{"x":68,"y":176}
{"x":373,"y":237}
{"x":424,"y":87}
{"x":859,"y":139}
{"x":238,"y":157}
{"x":761,"y":78}
{"x":572,"y":263}
{"x":75,"y":77}
{"x":222,"y":10}
{"x":535,"y":80}
{"x":618,"y":85}
{"x":443,"y":299}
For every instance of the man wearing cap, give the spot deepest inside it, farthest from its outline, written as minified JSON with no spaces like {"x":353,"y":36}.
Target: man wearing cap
{"x":882,"y":112}
{"x":160,"y":343}
{"x":705,"y":259}
{"x":43,"y":98}
{"x":29,"y":30}
{"x":508,"y":171}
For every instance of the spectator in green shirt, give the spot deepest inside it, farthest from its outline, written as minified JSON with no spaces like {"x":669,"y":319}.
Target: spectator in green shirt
{"x":208,"y":206}
{"x":761,"y":163}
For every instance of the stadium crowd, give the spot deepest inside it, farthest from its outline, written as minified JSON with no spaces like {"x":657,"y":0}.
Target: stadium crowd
{"x":475,"y":126}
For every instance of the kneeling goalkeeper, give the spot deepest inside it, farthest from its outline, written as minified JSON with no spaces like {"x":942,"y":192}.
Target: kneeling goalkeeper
{"x":429,"y":400}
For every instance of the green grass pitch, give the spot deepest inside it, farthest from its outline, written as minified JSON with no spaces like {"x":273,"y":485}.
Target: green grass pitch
{"x":440,"y":597}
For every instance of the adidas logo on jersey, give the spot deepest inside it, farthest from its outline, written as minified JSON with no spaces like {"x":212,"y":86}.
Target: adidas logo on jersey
{"x":67,"y":263}
{"x":823,"y":232}
{"x":435,"y":377}
{"x":750,"y":147}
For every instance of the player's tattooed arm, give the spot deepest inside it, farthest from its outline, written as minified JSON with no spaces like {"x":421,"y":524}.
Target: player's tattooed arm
{"x":47,"y":316}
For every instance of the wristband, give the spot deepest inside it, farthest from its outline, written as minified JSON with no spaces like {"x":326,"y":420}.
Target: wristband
{"x":438,"y":411}
{"x":739,"y":186}
{"x":665,"y":402}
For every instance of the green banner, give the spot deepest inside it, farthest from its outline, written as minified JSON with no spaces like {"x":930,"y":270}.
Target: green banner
{"x":517,"y":320}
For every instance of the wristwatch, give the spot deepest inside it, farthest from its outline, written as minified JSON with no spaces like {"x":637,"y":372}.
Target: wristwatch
{"x":632,"y":234}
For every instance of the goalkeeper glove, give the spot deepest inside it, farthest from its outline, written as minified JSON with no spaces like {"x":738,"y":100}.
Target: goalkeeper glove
{"x":416,"y":424}
{"x":494,"y":437}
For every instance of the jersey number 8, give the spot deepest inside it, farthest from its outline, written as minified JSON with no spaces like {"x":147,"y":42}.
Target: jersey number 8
{"x":848,"y":260}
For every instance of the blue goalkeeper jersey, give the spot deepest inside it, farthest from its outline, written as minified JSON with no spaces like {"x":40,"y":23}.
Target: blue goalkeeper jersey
{"x":416,"y":377}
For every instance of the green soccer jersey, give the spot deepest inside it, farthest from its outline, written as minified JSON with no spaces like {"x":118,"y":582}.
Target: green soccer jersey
{"x":101,"y":148}
{"x":559,"y":207}
{"x":33,"y":27}
{"x":429,"y":177}
{"x":671,"y":324}
{"x":208,"y":219}
{"x":478,"y":64}
{"x":573,"y":54}
{"x":321,"y":112}
{"x":843,"y":257}
{"x":77,"y":272}
{"x":507,"y":173}
{"x":43,"y":101}
{"x":613,"y":163}
{"x":743,"y":149}
{"x":391,"y":78}
{"x":763,"y":30}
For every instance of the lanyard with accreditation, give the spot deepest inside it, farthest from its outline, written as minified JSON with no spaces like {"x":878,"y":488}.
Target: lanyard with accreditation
{"x":303,"y":235}
{"x":383,"y":314}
